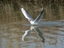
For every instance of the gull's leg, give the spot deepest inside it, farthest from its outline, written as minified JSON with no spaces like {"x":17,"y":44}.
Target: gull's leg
{"x":27,"y":32}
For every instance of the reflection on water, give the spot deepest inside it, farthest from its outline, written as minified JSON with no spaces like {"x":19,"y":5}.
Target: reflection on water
{"x":11,"y":33}
{"x":48,"y":23}
{"x":10,"y":37}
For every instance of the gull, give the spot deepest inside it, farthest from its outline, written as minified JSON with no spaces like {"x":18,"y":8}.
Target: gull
{"x":30,"y":19}
{"x":32,"y":22}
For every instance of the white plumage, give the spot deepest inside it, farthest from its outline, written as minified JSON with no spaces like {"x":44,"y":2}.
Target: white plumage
{"x":30,"y":19}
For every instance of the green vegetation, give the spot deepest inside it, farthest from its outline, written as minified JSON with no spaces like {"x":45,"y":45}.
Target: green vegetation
{"x":10,"y":9}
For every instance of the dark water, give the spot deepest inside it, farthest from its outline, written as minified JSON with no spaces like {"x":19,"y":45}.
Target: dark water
{"x":12,"y":28}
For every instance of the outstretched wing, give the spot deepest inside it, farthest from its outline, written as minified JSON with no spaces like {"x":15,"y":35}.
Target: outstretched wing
{"x":39,"y":17}
{"x":26,"y":14}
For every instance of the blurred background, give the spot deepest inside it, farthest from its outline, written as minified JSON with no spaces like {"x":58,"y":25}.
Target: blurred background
{"x":11,"y":20}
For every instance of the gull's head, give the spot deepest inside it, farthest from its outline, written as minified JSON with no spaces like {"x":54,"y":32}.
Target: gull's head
{"x":22,"y":8}
{"x":32,"y":22}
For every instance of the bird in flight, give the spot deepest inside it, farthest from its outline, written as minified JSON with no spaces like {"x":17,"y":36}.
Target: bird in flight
{"x":30,"y":19}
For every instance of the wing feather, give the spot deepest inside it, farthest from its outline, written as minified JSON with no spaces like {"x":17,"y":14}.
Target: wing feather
{"x":26,"y":14}
{"x":39,"y":17}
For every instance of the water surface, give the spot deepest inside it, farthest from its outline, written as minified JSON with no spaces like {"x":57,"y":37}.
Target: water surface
{"x":12,"y":28}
